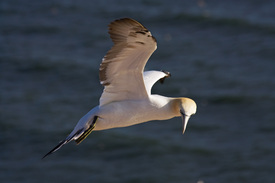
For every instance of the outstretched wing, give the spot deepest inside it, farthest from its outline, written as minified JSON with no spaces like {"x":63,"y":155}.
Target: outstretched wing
{"x":121,"y":70}
{"x":151,"y":77}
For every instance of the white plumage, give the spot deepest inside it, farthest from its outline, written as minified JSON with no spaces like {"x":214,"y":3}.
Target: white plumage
{"x":127,"y":99}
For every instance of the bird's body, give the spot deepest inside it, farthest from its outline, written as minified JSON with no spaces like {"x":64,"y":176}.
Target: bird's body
{"x":127,"y":99}
{"x":121,"y":114}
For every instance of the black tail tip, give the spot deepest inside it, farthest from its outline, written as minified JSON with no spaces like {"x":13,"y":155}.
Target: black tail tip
{"x":55,"y":148}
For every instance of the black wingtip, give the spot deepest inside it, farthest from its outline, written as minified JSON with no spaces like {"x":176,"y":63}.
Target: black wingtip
{"x":56,"y":148}
{"x":168,"y":74}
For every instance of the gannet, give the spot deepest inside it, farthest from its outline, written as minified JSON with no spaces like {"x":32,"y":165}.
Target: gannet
{"x":127,"y":99}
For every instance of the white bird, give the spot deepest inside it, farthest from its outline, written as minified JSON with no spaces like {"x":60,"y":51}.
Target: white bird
{"x":127,"y":99}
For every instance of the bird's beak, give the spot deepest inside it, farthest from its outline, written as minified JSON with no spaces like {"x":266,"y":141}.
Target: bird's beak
{"x":185,"y":119}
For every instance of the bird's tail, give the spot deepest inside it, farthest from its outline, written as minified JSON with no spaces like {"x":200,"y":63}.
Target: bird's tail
{"x":61,"y":143}
{"x":79,"y":136}
{"x":85,"y":134}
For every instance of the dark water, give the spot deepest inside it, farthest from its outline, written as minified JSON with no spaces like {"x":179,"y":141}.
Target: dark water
{"x":220,"y":53}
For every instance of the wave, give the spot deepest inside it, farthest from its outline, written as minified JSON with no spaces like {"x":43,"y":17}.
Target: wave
{"x":205,"y":20}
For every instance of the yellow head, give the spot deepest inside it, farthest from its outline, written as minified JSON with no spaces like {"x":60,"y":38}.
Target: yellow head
{"x":188,"y":107}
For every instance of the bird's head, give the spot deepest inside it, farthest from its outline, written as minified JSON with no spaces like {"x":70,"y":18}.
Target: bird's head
{"x":187,"y":107}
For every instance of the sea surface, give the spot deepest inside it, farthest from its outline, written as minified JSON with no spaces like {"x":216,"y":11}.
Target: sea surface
{"x":220,"y":53}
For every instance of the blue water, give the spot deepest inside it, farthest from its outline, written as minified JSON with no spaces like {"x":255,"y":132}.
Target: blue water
{"x":220,"y":53}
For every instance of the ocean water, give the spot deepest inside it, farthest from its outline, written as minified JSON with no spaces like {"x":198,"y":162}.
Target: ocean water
{"x":220,"y":53}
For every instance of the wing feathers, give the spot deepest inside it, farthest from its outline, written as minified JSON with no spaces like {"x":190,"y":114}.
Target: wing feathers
{"x":122,"y":67}
{"x":119,"y":29}
{"x":151,"y":77}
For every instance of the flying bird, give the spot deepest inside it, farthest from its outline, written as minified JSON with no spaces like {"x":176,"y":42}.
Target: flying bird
{"x":127,"y":99}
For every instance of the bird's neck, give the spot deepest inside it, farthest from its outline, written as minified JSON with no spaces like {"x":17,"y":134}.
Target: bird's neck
{"x":167,"y":104}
